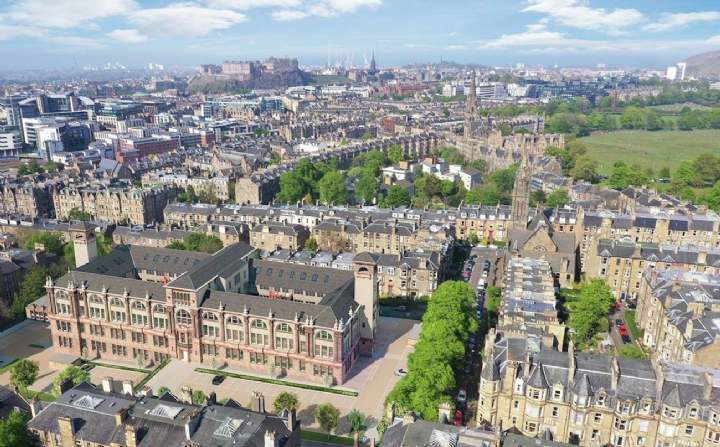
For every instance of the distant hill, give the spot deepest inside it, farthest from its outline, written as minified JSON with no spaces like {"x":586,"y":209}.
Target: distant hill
{"x":203,"y":83}
{"x":705,"y":65}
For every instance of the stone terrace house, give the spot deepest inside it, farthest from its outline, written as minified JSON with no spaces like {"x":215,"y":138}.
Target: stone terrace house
{"x":201,"y":311}
{"x":594,"y":399}
{"x":272,"y":236}
{"x":622,"y":263}
{"x":90,"y":416}
{"x":680,"y":315}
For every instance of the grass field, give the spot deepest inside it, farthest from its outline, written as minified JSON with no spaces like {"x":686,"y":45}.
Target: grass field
{"x":666,"y":148}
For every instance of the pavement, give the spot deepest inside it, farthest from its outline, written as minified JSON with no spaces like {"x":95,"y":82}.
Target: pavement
{"x":16,"y":343}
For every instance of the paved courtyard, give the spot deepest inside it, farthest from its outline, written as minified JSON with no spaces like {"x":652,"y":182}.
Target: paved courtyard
{"x":18,"y":345}
{"x":373,"y":378}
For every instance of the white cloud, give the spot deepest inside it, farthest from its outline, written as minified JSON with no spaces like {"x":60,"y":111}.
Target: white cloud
{"x":9,"y":32}
{"x":128,"y":36}
{"x":680,"y":20}
{"x":78,"y":42}
{"x":455,"y":47}
{"x":715,"y":40}
{"x":285,"y":15}
{"x":185,"y":19}
{"x":66,"y":13}
{"x":244,"y":5}
{"x":578,"y":14}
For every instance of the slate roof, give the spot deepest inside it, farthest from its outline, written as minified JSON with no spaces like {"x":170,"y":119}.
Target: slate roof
{"x":212,"y":266}
{"x":299,"y":277}
{"x":165,"y":260}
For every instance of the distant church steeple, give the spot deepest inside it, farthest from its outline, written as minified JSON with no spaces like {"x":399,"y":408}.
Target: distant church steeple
{"x":470,"y":107}
{"x":373,"y":66}
{"x":521,"y":194}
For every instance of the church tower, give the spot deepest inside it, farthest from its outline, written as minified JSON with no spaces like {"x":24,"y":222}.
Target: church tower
{"x":82,"y":235}
{"x":470,"y":107}
{"x":521,"y":194}
{"x":373,"y":65}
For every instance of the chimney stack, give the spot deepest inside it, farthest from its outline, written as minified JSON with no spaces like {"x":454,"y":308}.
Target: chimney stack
{"x":108,"y":385}
{"x":258,"y":402}
{"x":130,"y":436}
{"x":35,"y":406}
{"x":120,"y":417}
{"x":707,"y":385}
{"x":186,"y":394}
{"x":271,"y":439}
{"x":127,"y":387}
{"x":291,"y":419}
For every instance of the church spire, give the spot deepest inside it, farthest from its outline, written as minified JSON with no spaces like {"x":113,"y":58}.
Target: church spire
{"x":470,"y":107}
{"x":521,"y":194}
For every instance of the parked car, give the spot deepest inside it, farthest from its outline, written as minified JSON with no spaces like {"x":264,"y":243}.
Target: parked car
{"x":217,"y":380}
{"x":458,"y":421}
{"x":623,"y":330}
{"x":401,"y":372}
{"x":626,"y":339}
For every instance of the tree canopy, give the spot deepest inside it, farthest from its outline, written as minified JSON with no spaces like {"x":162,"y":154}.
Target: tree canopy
{"x":13,"y":431}
{"x":198,"y":242}
{"x":285,"y":401}
{"x":587,"y":310}
{"x":24,"y":373}
{"x":73,"y":373}
{"x":447,"y":324}
{"x":327,"y":417}
{"x":331,"y":188}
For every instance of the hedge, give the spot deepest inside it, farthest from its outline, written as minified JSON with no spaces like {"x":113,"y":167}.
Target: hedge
{"x":277,"y":382}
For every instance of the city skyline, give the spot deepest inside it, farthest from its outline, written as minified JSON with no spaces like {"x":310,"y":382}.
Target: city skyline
{"x":45,"y":34}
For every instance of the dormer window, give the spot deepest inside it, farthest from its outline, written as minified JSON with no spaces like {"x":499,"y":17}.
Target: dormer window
{"x":646,"y":406}
{"x":670,"y":412}
{"x":600,"y":400}
{"x":534,"y":393}
{"x":693,"y":412}
{"x":557,"y":393}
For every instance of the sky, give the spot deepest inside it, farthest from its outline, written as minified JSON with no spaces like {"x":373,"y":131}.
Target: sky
{"x":629,"y":33}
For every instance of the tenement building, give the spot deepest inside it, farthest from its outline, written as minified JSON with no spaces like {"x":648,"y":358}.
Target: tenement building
{"x":115,"y":203}
{"x":679,"y":313}
{"x":594,"y":399}
{"x":86,"y":415}
{"x":529,"y":305}
{"x":151,"y":304}
{"x":621,"y":263}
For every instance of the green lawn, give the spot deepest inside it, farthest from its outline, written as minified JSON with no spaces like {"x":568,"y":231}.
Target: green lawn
{"x":312,"y":435}
{"x":632,"y":325}
{"x":657,"y":150}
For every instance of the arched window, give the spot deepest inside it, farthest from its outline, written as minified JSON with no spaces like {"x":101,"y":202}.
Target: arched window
{"x":96,"y":299}
{"x":323,"y":335}
{"x":259,"y":324}
{"x":183,"y":317}
{"x":159,"y":308}
{"x":234,"y":319}
{"x":209,"y":316}
{"x":138,"y":305}
{"x":283,"y":327}
{"x":116,"y":302}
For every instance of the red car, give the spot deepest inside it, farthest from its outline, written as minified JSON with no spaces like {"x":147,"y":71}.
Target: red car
{"x":622,"y":329}
{"x":458,"y":421}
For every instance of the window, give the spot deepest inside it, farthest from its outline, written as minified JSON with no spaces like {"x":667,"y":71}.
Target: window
{"x":183,"y":317}
{"x":233,"y":354}
{"x":620,"y":424}
{"x":597,"y":418}
{"x":555,"y":412}
{"x":530,"y":427}
{"x":209,"y":316}
{"x":323,"y":335}
{"x":158,"y":308}
{"x":259,"y":324}
{"x":234,"y":319}
{"x":689,"y":429}
{"x":233,"y":334}
{"x":670,"y":412}
{"x":116,"y":302}
{"x":209,"y":330}
{"x":137,"y":305}
{"x":181,"y":298}
{"x":159,"y":322}
{"x":284,"y":343}
{"x":323,"y":351}
{"x":283,"y":327}
{"x":557,"y":394}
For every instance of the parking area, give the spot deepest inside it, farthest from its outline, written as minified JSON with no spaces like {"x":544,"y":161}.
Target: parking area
{"x":488,"y":266}
{"x":374,"y":378}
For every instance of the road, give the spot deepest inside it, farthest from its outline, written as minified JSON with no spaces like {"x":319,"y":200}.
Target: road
{"x":615,"y":334}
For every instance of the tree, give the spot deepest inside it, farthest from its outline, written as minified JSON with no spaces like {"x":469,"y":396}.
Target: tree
{"x":592,"y":305}
{"x":652,"y":121}
{"x":31,"y":288}
{"x":292,"y":187}
{"x":74,"y":374}
{"x":558,"y":199}
{"x":188,"y":196}
{"x":24,"y":373}
{"x":485,"y":195}
{"x":585,"y":169}
{"x":357,"y":425}
{"x":176,"y":245}
{"x":327,"y":417}
{"x":78,"y":214}
{"x":712,"y":197}
{"x":198,"y":397}
{"x":632,"y":118}
{"x":366,"y":187}
{"x":537,"y":197}
{"x":395,"y":154}
{"x":285,"y":401}
{"x":396,"y":196}
{"x":664,"y":173}
{"x":473,"y":238}
{"x":52,"y":241}
{"x":13,"y":431}
{"x":447,"y":324}
{"x":311,"y":244}
{"x":332,"y":188}
{"x":162,"y":390}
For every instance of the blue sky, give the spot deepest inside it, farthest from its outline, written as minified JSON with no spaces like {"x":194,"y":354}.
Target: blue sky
{"x":59,"y":33}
